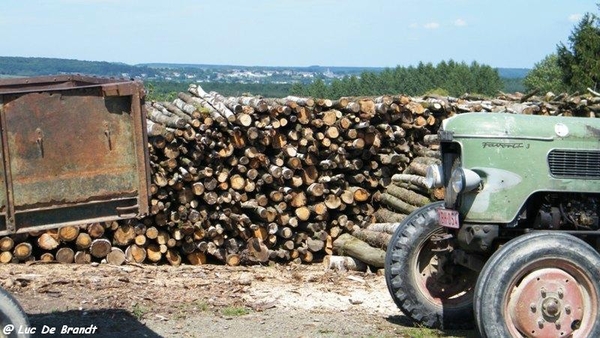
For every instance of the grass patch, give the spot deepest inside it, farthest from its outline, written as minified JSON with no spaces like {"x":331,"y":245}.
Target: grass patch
{"x":422,"y":332}
{"x":138,"y":311}
{"x":234,"y":311}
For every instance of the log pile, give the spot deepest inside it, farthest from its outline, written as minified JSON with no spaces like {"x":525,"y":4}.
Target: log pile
{"x":247,"y":180}
{"x":251,"y":180}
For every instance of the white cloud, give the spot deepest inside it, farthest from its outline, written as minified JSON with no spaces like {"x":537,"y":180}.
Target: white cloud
{"x":432,"y":25}
{"x":575,"y":17}
{"x":460,"y":23}
{"x":413,"y":25}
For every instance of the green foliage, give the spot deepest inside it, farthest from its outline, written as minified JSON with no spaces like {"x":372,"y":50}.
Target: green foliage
{"x":452,"y":77}
{"x":438,"y":92}
{"x":167,"y":90}
{"x":138,"y":311}
{"x":234,"y":311}
{"x":22,"y":66}
{"x":546,"y":75}
{"x":513,"y":85}
{"x":162,"y":91}
{"x":579,"y":60}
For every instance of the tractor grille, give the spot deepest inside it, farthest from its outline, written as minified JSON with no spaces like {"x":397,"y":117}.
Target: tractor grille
{"x":575,"y":163}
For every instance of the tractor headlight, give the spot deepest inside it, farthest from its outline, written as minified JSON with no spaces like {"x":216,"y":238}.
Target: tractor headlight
{"x":463,"y":180}
{"x":434,"y":176}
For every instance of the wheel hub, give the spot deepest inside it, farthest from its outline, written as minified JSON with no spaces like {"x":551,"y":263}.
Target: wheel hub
{"x":551,"y":307}
{"x":547,"y":303}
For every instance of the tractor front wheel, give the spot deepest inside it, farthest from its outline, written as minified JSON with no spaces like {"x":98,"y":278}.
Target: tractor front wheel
{"x":422,"y":280}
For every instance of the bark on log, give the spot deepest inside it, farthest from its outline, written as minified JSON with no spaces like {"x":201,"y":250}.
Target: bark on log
{"x":397,"y":204}
{"x":388,"y":228}
{"x":408,"y":196}
{"x":373,"y":238}
{"x":348,"y":245}
{"x":343,"y":263}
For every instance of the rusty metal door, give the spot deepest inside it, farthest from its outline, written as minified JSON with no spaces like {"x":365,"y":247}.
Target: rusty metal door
{"x":73,"y":152}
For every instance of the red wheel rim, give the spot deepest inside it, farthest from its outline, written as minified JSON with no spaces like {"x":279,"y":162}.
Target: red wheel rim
{"x":555,"y":299}
{"x":440,"y":286}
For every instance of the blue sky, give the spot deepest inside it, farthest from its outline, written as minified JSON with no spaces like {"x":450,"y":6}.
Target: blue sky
{"x":372,"y":33}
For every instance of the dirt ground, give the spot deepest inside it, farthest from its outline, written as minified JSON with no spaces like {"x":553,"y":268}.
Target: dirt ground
{"x":207,"y":301}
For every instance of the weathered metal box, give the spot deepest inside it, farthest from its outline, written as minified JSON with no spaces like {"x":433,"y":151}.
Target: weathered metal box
{"x":74,"y":151}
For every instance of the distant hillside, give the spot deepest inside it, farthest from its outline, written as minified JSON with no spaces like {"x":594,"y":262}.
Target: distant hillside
{"x":229,"y":78}
{"x":513,"y":73}
{"x":22,"y":66}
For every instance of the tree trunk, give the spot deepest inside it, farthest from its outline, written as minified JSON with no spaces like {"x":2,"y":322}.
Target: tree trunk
{"x":349,"y":245}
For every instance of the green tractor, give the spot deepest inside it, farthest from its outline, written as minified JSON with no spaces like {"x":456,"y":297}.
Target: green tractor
{"x":513,"y":248}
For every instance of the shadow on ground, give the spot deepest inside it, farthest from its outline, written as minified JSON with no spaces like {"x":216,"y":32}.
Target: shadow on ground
{"x":108,"y":323}
{"x":406,"y":322}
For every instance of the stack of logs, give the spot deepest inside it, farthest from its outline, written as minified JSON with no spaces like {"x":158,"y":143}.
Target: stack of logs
{"x":246,"y":180}
{"x":249,"y":180}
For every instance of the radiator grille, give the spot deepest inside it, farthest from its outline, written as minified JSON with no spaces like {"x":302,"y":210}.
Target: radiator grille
{"x":575,"y":163}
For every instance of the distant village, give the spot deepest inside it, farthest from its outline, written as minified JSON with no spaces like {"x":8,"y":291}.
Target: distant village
{"x":247,"y":75}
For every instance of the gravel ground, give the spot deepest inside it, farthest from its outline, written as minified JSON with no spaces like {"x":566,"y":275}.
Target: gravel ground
{"x":207,"y":301}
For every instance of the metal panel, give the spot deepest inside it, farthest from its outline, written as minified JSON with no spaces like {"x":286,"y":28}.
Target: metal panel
{"x":71,"y":144}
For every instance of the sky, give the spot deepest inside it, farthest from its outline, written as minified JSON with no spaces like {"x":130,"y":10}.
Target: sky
{"x":351,"y":33}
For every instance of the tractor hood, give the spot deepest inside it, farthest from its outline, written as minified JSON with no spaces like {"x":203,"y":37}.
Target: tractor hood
{"x":516,"y":126}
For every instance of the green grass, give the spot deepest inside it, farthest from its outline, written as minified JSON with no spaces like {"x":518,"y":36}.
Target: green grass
{"x":234,"y":311}
{"x":138,"y":311}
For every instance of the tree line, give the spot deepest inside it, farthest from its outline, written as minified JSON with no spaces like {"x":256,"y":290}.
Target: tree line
{"x":35,"y":66}
{"x":575,"y":66}
{"x":446,"y":78}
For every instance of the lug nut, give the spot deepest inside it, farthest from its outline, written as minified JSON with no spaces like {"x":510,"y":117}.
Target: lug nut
{"x":533,"y":307}
{"x":543,"y":292}
{"x":541,"y":323}
{"x":560,"y":293}
{"x":568,"y":309}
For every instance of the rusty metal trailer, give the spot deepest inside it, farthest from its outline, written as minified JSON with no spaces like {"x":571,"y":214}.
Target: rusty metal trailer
{"x":73,"y":151}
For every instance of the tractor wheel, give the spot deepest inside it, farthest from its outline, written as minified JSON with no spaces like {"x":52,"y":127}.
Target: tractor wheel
{"x":423,"y":282}
{"x":12,"y":317}
{"x":540,"y":285}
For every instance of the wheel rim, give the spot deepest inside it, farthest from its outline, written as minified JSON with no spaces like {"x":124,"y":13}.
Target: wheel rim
{"x":440,"y":281}
{"x":552,"y":298}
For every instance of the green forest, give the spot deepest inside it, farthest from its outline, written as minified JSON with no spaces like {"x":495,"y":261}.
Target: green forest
{"x":35,"y":66}
{"x":446,"y":78}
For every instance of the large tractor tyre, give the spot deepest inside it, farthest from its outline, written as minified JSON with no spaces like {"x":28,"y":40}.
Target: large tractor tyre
{"x":541,"y":285}
{"x":423,"y":282}
{"x":12,"y":317}
{"x":482,"y":279}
